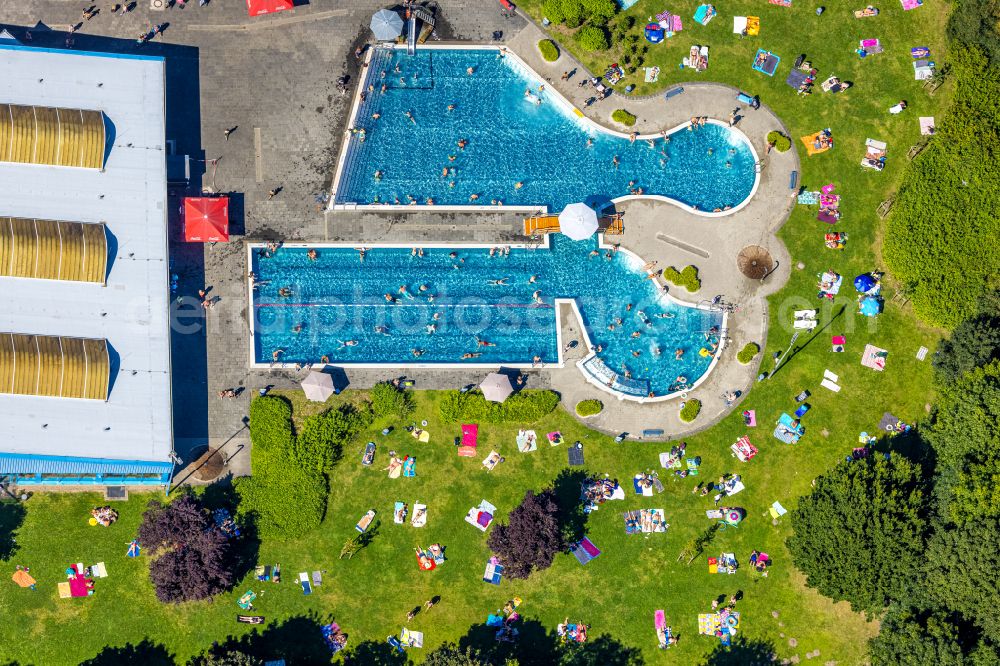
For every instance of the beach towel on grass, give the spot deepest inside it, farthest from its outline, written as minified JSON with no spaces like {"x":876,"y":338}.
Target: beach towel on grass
{"x":652,"y":74}
{"x":585,"y":550}
{"x":419,"y":515}
{"x":874,"y":357}
{"x":399,"y":512}
{"x":527,"y":441}
{"x":640,"y":487}
{"x":493,"y":573}
{"x":304,"y":582}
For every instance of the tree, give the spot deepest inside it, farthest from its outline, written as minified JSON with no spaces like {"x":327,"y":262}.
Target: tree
{"x":599,"y":12}
{"x":599,"y":651}
{"x":965,"y":436}
{"x":553,"y":11}
{"x":860,"y":533}
{"x":323,"y":436}
{"x":450,"y":654}
{"x":743,"y":652}
{"x":572,"y":12}
{"x":592,"y":38}
{"x":974,"y":343}
{"x":908,"y":636}
{"x":228,"y":658}
{"x":963,"y":571}
{"x":531,"y":538}
{"x":190,"y":557}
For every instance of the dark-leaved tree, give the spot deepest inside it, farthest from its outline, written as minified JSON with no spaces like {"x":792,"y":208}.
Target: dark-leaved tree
{"x":908,"y":636}
{"x":532,"y":536}
{"x":859,"y":535}
{"x":974,"y":343}
{"x":190,"y":558}
{"x":450,"y":654}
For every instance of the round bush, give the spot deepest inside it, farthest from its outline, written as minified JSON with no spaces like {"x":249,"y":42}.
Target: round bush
{"x":690,"y":410}
{"x":589,"y":407}
{"x":624,"y":117}
{"x":747,"y":354}
{"x":780,"y":141}
{"x":687,"y":278}
{"x":548,"y":50}
{"x":592,"y":38}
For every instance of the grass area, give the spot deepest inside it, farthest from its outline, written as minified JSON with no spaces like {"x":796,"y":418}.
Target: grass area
{"x":618,"y":592}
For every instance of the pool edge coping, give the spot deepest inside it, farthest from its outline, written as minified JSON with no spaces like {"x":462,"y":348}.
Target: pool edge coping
{"x":333,"y":206}
{"x":557,"y":305}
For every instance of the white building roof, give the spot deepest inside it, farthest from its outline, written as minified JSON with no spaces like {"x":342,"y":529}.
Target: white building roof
{"x":131,"y":312}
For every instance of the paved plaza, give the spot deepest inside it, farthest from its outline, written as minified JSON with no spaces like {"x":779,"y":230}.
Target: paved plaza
{"x":274,"y":79}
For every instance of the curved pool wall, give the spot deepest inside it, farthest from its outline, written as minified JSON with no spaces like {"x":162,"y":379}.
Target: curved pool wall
{"x":353,"y":171}
{"x":552,"y":315}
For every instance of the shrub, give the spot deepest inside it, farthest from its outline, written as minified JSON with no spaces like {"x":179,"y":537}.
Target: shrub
{"x":689,"y":412}
{"x":687,"y":278}
{"x":599,"y":12}
{"x":532,"y":536}
{"x":781,"y":142}
{"x":944,"y":263}
{"x":592,"y":38}
{"x":388,"y":400}
{"x":624,"y":117}
{"x":553,"y":11}
{"x":975,"y":342}
{"x":271,"y":425}
{"x":522,"y":407}
{"x":190,"y":558}
{"x":588,"y":407}
{"x":323,"y":436}
{"x":548,"y":50}
{"x":748,"y":353}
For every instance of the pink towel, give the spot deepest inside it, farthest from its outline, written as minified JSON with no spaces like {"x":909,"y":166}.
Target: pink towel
{"x":661,"y":620}
{"x":677,"y":27}
{"x":869,"y":43}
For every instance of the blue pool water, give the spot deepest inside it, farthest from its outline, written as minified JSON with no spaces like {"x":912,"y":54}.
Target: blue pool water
{"x":338,"y":297}
{"x":511,"y":139}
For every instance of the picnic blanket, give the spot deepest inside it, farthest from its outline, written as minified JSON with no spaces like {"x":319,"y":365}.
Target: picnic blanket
{"x":750,"y":418}
{"x":23,"y":578}
{"x":645,"y":485}
{"x":743,"y":449}
{"x":788,"y":430}
{"x":765,"y":62}
{"x":411,"y":638}
{"x":419,"y":515}
{"x":494,"y":571}
{"x":812,"y":148}
{"x":796,"y":78}
{"x":652,"y":74}
{"x":555,"y":438}
{"x":421,"y":435}
{"x":304,"y":583}
{"x":575,"y":454}
{"x":808,"y":198}
{"x":645,"y":521}
{"x":246,"y":601}
{"x":527,"y":441}
{"x":911,"y":4}
{"x":670,"y":22}
{"x":668,"y":461}
{"x":584,"y":550}
{"x":874,"y":357}
{"x":927,"y":125}
{"x":409,"y":466}
{"x":492,"y":461}
{"x":704,"y":14}
{"x":480,"y":517}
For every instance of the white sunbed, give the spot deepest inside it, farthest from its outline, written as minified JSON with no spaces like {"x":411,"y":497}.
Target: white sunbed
{"x":826,"y":383}
{"x":831,"y":376}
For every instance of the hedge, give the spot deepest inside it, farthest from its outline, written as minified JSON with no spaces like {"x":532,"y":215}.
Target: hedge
{"x":321,"y":441}
{"x":589,"y":407}
{"x":687,"y":278}
{"x":624,"y":117}
{"x":689,"y":412}
{"x":781,"y":142}
{"x":549,"y":50}
{"x":388,"y":400}
{"x":592,"y":38}
{"x":747,"y":354}
{"x":271,"y":425}
{"x":472,"y":407}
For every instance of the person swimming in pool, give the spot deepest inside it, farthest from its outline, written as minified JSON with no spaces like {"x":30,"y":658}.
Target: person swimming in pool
{"x":297,"y":328}
{"x":451,"y":107}
{"x":389,"y":298}
{"x":518,"y":185}
{"x":382,"y":330}
{"x":347,"y":343}
{"x":285,"y":292}
{"x":483,"y":343}
{"x":678,"y":354}
{"x":665,"y":315}
{"x":657,"y":350}
{"x":502,"y":282}
{"x":409,"y":114}
{"x":312,"y":254}
{"x":468,"y":355}
{"x":537,"y":296}
{"x":462,"y":143}
{"x":533,"y":279}
{"x":590,"y":143}
{"x":431,"y":328}
{"x":417,"y":353}
{"x":614,"y":160}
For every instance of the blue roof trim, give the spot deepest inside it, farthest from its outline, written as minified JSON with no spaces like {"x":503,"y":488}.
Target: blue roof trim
{"x":27,"y":463}
{"x":98,"y":54}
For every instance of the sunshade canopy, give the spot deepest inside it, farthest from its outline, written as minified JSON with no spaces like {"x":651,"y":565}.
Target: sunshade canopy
{"x":870,"y":306}
{"x":258,"y":7}
{"x":206,"y":219}
{"x":578,"y":221}
{"x":50,"y":250}
{"x":496,"y":387}
{"x":56,"y":137}
{"x":44,"y":365}
{"x":318,"y":386}
{"x":387,"y":25}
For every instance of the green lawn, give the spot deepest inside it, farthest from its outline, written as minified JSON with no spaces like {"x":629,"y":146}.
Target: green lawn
{"x":618,"y":592}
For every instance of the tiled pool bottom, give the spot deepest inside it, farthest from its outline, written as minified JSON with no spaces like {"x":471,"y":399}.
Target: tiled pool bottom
{"x":459,"y":306}
{"x":521,"y":143}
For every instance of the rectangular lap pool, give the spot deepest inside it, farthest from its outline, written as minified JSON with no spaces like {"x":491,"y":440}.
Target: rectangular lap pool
{"x":472,"y":305}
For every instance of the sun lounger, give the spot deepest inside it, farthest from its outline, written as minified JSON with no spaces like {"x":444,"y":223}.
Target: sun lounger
{"x":366,"y":521}
{"x":575,"y":454}
{"x":874,"y":357}
{"x":652,"y":433}
{"x":584,"y":550}
{"x":827,"y":384}
{"x":614,"y":225}
{"x":419,"y":515}
{"x":304,"y":582}
{"x":493,"y":573}
{"x":539,"y":225}
{"x":833,"y":377}
{"x":492,"y":461}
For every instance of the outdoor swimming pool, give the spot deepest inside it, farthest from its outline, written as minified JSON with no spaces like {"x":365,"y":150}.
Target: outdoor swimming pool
{"x":481,"y":308}
{"x":411,"y":139}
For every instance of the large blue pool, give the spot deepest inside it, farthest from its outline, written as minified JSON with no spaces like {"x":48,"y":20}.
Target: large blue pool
{"x":511,"y":139}
{"x":338,"y":298}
